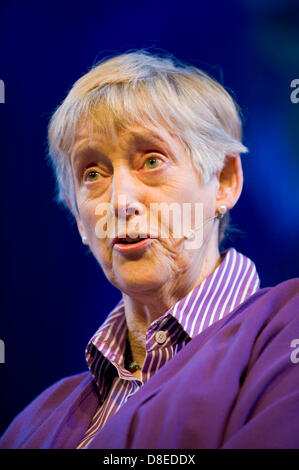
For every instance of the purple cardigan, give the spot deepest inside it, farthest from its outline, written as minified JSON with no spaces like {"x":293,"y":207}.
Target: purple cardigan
{"x":235,"y":385}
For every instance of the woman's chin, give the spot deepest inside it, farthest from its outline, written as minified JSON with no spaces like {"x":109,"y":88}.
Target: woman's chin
{"x":139,"y":279}
{"x":144,"y":271}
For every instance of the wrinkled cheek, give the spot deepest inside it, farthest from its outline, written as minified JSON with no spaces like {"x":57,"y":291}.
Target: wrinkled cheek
{"x":171,"y":246}
{"x":102,"y":254}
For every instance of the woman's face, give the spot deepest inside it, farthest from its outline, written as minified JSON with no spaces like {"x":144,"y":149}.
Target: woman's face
{"x":138,"y":168}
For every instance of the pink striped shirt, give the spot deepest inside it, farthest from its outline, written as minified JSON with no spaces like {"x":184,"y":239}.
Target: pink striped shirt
{"x":228,"y":286}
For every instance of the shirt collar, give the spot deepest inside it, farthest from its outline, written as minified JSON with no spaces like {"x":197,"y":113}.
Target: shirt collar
{"x":227,"y":287}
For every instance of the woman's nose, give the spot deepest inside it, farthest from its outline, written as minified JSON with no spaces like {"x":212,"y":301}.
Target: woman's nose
{"x":125,"y":195}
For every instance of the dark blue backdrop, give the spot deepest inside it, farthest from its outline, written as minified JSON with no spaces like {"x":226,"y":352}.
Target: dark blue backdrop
{"x":54,"y":295}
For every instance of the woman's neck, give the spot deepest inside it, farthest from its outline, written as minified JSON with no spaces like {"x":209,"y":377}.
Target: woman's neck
{"x":142,"y":310}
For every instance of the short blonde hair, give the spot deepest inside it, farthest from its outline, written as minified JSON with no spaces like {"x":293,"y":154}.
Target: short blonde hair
{"x":142,"y":88}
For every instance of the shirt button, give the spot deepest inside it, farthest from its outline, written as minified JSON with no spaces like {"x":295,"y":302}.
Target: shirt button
{"x":160,"y":337}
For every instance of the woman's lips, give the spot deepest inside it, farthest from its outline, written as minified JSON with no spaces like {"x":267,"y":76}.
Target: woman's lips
{"x":133,"y":247}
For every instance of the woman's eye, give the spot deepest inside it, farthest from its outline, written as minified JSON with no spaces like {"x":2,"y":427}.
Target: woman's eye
{"x":91,"y":176}
{"x":152,"y":162}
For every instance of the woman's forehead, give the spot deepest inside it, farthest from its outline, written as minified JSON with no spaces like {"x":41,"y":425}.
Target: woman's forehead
{"x":136,"y":135}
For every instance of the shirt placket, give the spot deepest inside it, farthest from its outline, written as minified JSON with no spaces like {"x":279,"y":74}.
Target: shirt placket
{"x":157,"y":341}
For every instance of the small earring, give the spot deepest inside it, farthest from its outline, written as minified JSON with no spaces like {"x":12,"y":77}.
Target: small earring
{"x":221,"y":211}
{"x":84,"y":240}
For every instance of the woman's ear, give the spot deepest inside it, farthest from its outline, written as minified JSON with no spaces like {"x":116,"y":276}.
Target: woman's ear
{"x":230,"y":181}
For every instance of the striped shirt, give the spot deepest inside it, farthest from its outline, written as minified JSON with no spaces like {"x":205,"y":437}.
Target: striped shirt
{"x":228,"y":286}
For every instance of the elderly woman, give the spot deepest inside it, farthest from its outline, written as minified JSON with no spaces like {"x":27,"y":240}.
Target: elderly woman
{"x":195,"y":354}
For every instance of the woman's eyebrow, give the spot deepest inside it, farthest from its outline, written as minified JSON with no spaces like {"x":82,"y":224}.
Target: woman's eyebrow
{"x":147,"y":138}
{"x":78,"y":149}
{"x":85,"y":150}
{"x":150,"y":141}
{"x":147,"y":141}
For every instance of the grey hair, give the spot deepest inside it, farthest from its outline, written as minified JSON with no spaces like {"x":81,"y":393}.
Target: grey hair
{"x":142,"y":88}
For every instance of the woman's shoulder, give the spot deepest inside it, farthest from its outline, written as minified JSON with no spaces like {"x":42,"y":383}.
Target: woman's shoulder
{"x":59,"y":391}
{"x":53,"y":404}
{"x":273,"y":300}
{"x":287,"y":286}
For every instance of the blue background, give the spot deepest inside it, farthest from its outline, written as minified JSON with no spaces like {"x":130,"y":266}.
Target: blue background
{"x":53,"y":293}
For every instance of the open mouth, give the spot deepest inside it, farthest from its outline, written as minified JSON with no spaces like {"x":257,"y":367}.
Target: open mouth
{"x":129,"y":241}
{"x":128,"y":245}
